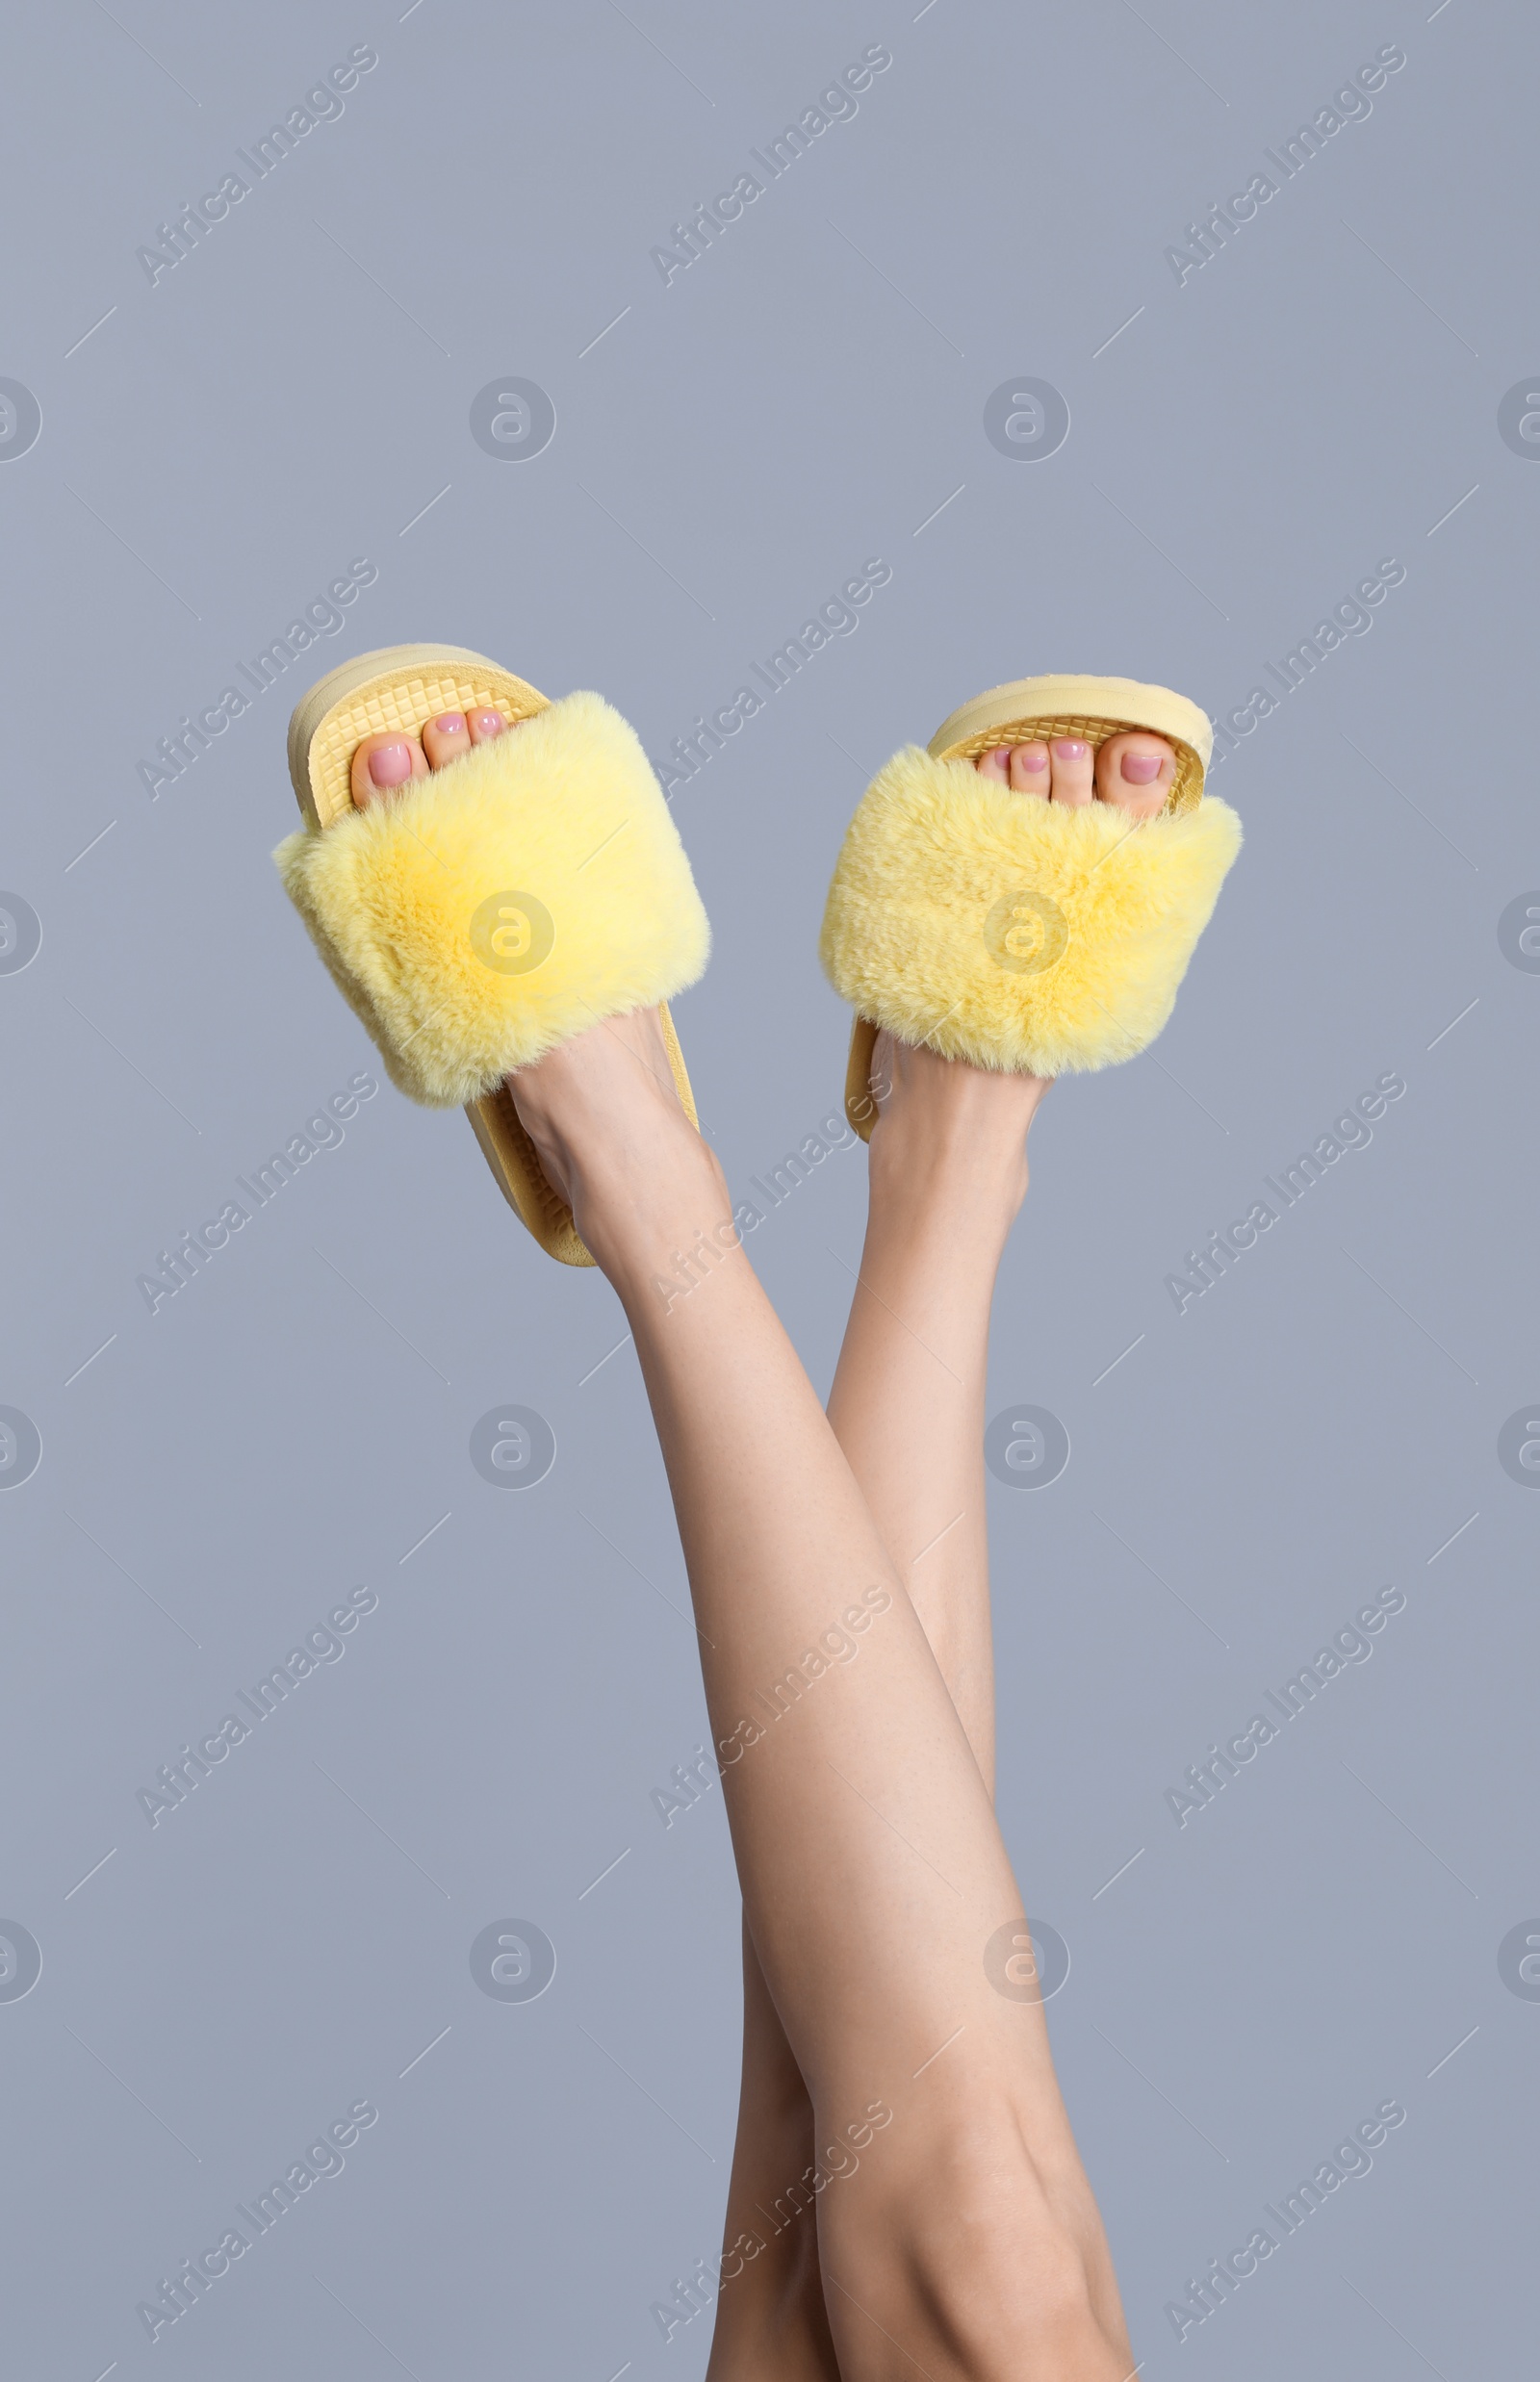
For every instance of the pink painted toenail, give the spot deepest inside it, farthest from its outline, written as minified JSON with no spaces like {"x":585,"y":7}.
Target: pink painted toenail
{"x":487,"y":723}
{"x":1030,"y":760}
{"x":1141,"y":768}
{"x":389,"y":763}
{"x":1071,"y":748}
{"x":451,"y":725}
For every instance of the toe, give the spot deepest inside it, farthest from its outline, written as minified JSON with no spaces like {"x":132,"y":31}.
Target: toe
{"x":445,"y":738}
{"x":1070,"y":770}
{"x":485,"y":725}
{"x":382,"y":764}
{"x":1029,"y":769}
{"x":1134,"y":772}
{"x":995,"y":765}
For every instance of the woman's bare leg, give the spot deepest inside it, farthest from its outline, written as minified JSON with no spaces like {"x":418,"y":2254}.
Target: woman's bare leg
{"x":872,"y":1868}
{"x":947,"y":1173}
{"x":912,"y":1367}
{"x":772,"y":2323}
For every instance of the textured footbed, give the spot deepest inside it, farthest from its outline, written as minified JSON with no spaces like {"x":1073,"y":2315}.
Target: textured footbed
{"x":1076,"y":704}
{"x":1187,"y":786}
{"x":424,"y":682}
{"x":402,"y":704}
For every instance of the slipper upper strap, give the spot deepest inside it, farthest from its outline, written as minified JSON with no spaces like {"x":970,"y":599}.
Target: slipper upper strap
{"x":503,"y":903}
{"x":1011,"y":932}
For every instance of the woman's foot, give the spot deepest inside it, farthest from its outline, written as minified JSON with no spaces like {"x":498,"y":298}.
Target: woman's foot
{"x":602,"y":1108}
{"x":934,"y":1115}
{"x":1133,"y":770}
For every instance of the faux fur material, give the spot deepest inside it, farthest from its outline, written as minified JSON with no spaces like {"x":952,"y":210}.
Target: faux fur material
{"x":952,"y":895}
{"x":402,"y":901}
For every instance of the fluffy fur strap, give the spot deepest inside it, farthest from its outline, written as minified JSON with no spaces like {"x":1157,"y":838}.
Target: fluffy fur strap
{"x":1007,"y":930}
{"x":505,"y":903}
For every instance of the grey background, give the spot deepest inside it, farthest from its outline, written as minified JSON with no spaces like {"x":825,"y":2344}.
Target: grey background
{"x":218,"y":448}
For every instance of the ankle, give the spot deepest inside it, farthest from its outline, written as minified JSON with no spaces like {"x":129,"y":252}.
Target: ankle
{"x":949,"y":1135}
{"x":953,"y":1196}
{"x":656,"y":1231}
{"x":603,"y":1111}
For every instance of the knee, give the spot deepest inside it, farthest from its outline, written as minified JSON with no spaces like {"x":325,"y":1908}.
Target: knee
{"x":970,"y":2253}
{"x":997,"y":2301}
{"x":1010,"y":2289}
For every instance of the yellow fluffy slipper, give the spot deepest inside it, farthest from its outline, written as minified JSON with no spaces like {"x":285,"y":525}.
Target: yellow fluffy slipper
{"x":1010,"y":931}
{"x":497,"y":907}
